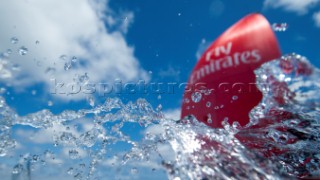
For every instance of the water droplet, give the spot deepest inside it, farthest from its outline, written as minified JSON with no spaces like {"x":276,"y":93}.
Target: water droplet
{"x":209,"y":120}
{"x":9,"y":51}
{"x":78,"y":176}
{"x":134,"y":170}
{"x":17,"y":169}
{"x":159,"y":97}
{"x":186,"y":100}
{"x":63,"y":57}
{"x":73,"y":154}
{"x":216,"y":107}
{"x":50,"y":103}
{"x":50,"y":70}
{"x":234,"y":98}
{"x":74,"y":59}
{"x":196,"y":97}
{"x":280,"y":27}
{"x":83,"y":79}
{"x":159,"y":107}
{"x":179,"y":14}
{"x":14,"y":40}
{"x":207,"y":92}
{"x":35,"y":158}
{"x":82,"y":165}
{"x":236,"y":125}
{"x":16,"y":67}
{"x":150,"y":72}
{"x":70,"y":171}
{"x":37,"y":42}
{"x":23,"y":50}
{"x":90,"y":100}
{"x":67,"y":66}
{"x":208,"y":104}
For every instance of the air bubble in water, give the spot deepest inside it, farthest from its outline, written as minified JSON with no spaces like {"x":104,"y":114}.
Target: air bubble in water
{"x":196,"y":97}
{"x":14,"y":40}
{"x":73,"y":154}
{"x":23,"y":50}
{"x":279,"y":27}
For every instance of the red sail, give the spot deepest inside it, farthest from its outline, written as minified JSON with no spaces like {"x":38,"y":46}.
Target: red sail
{"x":222,"y":84}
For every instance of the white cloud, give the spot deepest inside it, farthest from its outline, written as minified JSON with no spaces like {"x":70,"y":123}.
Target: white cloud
{"x":316,"y":18}
{"x":87,"y":29}
{"x":298,"y":6}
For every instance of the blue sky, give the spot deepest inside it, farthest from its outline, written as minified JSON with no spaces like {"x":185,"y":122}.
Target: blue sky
{"x":153,"y":41}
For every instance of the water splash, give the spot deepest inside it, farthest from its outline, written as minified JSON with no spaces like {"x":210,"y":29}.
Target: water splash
{"x":280,"y":142}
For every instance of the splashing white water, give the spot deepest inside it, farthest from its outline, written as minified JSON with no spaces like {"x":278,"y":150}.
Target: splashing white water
{"x":280,"y":142}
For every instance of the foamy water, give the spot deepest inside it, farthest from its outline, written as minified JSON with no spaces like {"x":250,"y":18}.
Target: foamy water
{"x":281,"y":141}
